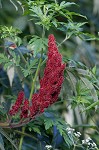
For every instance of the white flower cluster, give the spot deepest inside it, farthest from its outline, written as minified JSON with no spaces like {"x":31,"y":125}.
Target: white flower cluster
{"x":87,"y":142}
{"x":70,"y":130}
{"x":78,"y":134}
{"x":90,"y":143}
{"x":48,"y":147}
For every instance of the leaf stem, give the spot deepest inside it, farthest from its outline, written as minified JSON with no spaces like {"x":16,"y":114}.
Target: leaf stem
{"x":4,"y":124}
{"x":26,"y":134}
{"x":38,"y":68}
{"x":21,"y":139}
{"x":35,"y":77}
{"x":22,"y":56}
{"x":65,"y":39}
{"x":91,"y":106}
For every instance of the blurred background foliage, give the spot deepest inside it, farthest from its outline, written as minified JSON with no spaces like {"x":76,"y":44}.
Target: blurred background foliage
{"x":82,"y":57}
{"x":11,"y":14}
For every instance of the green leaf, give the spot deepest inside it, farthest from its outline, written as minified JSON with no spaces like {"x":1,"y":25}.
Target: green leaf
{"x":84,"y":101}
{"x":1,"y":143}
{"x":0,"y":4}
{"x":94,"y":70}
{"x":36,"y":10}
{"x":48,"y":123}
{"x":7,"y":62}
{"x":67,"y":140}
{"x":82,"y":72}
{"x":16,"y":58}
{"x":28,"y":70}
{"x":95,"y":104}
{"x":34,"y":126}
{"x":72,"y":81}
{"x":3,"y":58}
{"x":37,"y":130}
{"x":38,"y":44}
{"x":60,"y":125}
{"x":8,"y":65}
{"x":55,"y":23}
{"x":76,"y":14}
{"x":90,"y":86}
{"x":9,"y":32}
{"x":88,"y":37}
{"x":72,"y":28}
{"x":68,"y":4}
{"x":16,"y":86}
{"x":7,"y":136}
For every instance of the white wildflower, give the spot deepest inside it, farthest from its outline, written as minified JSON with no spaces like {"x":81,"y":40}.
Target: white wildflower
{"x":78,"y":134}
{"x":48,"y":147}
{"x":83,"y":142}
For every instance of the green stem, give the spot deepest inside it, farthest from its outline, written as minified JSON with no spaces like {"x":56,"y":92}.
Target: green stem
{"x":35,"y":77}
{"x":4,"y":124}
{"x":32,"y":89}
{"x":79,"y":145}
{"x":56,"y":1}
{"x":74,"y":147}
{"x":37,"y":71}
{"x":21,"y":139}
{"x":66,"y":38}
{"x":43,"y":32}
{"x":22,"y":56}
{"x":25,"y":134}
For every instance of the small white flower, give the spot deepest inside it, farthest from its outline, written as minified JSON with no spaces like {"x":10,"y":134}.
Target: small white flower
{"x":69,"y":132}
{"x":89,"y":143}
{"x":79,"y":133}
{"x":89,"y":138}
{"x":70,"y":129}
{"x":94,"y":143}
{"x":76,"y":134}
{"x":67,"y":129}
{"x":48,"y":147}
{"x":83,"y":142}
{"x":73,"y":129}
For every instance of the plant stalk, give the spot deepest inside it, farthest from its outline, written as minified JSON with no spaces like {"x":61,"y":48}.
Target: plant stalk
{"x":21,"y":139}
{"x":32,"y":89}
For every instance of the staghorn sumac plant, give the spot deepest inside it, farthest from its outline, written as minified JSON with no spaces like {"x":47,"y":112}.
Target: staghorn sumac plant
{"x":50,"y":86}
